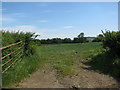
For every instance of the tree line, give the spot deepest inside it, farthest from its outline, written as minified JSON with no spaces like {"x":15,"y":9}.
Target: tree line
{"x":79,"y":39}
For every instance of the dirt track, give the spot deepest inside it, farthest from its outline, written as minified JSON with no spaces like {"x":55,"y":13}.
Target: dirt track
{"x":42,"y":79}
{"x":85,"y":78}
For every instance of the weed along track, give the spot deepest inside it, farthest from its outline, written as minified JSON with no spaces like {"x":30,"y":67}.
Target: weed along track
{"x":64,"y":68}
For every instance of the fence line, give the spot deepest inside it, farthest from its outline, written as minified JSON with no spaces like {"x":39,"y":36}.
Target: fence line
{"x":9,"y":66}
{"x":10,"y":53}
{"x":18,"y":55}
{"x":11,"y":59}
{"x":10,"y":45}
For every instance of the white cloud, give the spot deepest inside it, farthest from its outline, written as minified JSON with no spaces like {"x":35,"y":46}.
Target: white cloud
{"x":67,"y":27}
{"x":17,"y":14}
{"x":58,"y":34}
{"x":7,"y":19}
{"x":1,"y":9}
{"x":44,"y":33}
{"x":43,"y":21}
{"x":24,"y":28}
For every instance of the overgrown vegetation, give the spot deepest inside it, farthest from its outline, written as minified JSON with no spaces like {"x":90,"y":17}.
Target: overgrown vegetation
{"x":108,"y":61}
{"x":13,"y":37}
{"x":27,"y":50}
{"x":22,"y":69}
{"x":111,"y":42}
{"x":99,"y":38}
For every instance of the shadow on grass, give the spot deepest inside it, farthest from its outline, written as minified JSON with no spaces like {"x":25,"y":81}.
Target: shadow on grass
{"x":105,"y":63}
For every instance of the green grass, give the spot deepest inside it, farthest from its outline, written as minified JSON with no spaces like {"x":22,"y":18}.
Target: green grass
{"x":61,"y":56}
{"x":106,"y":63}
{"x":28,"y":64}
{"x":23,"y":69}
{"x":64,"y":56}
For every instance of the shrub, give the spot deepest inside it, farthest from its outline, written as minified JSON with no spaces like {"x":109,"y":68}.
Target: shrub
{"x":108,"y":60}
{"x":66,"y":40}
{"x":111,"y":42}
{"x":99,"y":38}
{"x":13,"y":37}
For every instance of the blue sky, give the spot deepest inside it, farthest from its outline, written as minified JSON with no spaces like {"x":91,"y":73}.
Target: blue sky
{"x":60,"y":19}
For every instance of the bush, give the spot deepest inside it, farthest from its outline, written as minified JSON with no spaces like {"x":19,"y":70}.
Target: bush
{"x":99,"y":38}
{"x":28,"y":51}
{"x":109,"y":60}
{"x":13,"y":37}
{"x":111,"y":42}
{"x":66,"y":40}
{"x":80,"y":38}
{"x":105,"y":62}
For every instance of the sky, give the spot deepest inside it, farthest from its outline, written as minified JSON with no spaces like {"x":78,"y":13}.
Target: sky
{"x":60,"y":19}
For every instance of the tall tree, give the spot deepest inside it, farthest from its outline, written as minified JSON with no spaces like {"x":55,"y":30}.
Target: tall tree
{"x":81,"y":35}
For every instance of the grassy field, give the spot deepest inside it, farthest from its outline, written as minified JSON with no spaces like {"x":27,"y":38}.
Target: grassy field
{"x":61,"y":56}
{"x":64,"y":56}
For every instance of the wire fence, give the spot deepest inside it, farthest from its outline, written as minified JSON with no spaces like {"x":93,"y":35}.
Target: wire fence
{"x":9,"y":59}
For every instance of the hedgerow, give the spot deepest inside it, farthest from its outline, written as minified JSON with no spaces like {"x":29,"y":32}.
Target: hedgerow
{"x":108,"y":61}
{"x":27,"y":39}
{"x":111,"y":42}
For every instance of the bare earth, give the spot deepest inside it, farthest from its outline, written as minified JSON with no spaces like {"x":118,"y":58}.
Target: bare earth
{"x":42,"y":79}
{"x":85,"y":78}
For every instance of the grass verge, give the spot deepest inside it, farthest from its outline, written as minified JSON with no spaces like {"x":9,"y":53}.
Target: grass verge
{"x":106,"y":63}
{"x":23,"y":69}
